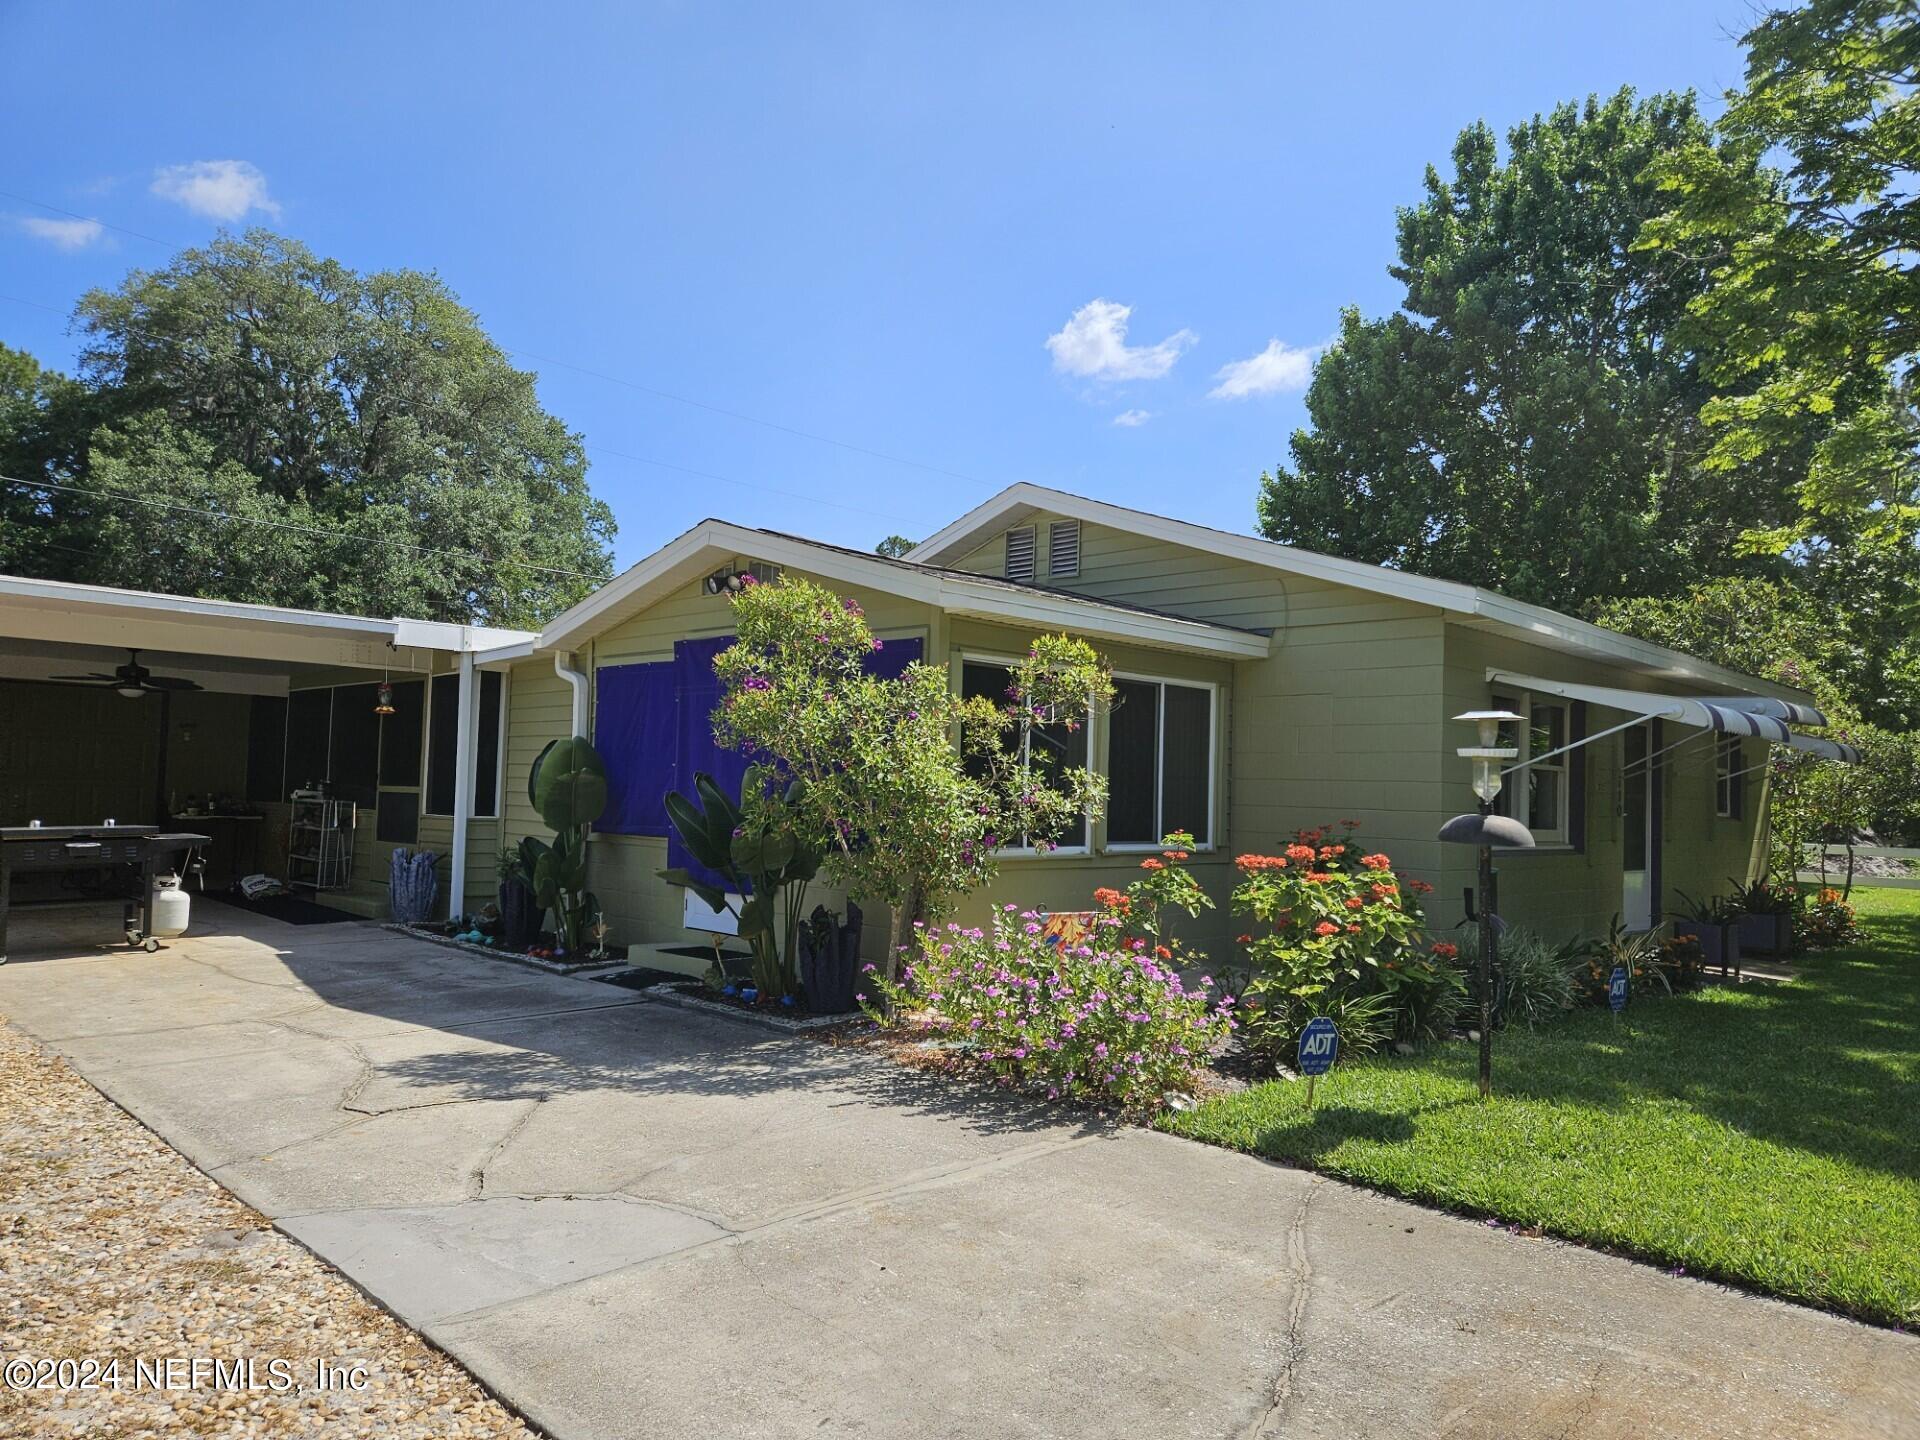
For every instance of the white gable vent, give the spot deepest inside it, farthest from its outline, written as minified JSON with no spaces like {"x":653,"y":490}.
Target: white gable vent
{"x":1020,"y":555}
{"x":1063,"y":548}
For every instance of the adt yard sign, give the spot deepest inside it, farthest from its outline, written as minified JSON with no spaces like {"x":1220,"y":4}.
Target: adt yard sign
{"x":1319,"y":1047}
{"x":1617,"y":989}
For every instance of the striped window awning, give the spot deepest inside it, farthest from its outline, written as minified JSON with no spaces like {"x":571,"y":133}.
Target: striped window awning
{"x":1761,"y":716}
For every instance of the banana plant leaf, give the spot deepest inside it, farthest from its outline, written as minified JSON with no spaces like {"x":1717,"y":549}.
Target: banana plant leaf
{"x":696,"y":829}
{"x":713,"y":895}
{"x":570,"y":785}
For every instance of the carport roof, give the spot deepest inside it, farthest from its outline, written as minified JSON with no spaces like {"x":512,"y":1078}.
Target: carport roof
{"x":61,"y":610}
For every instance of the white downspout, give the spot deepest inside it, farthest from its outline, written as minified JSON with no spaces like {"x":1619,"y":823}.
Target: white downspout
{"x":578,"y":680}
{"x":463,"y":761}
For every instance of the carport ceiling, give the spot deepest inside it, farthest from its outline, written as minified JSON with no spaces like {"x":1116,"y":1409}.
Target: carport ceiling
{"x":220,"y":674}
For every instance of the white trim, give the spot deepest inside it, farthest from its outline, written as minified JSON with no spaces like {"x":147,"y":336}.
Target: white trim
{"x":465,"y":744}
{"x":1480,"y":608}
{"x":687,"y":557}
{"x":1027,"y":852}
{"x":1212,"y":687}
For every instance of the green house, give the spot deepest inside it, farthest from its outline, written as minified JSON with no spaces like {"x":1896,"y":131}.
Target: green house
{"x":1263,"y":689}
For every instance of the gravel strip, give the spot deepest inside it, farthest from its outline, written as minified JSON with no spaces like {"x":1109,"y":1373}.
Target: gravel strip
{"x":113,"y":1247}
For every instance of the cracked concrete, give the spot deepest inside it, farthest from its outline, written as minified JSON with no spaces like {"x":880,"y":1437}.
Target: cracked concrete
{"x":631,"y":1219}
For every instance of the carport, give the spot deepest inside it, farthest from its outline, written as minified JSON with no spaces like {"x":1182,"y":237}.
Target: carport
{"x":226,"y":718}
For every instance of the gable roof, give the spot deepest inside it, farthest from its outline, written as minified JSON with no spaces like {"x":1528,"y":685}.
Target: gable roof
{"x":699,"y":551}
{"x":1470,"y":605}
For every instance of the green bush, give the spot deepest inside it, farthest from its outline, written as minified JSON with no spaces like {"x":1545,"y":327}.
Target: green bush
{"x":1533,"y":980}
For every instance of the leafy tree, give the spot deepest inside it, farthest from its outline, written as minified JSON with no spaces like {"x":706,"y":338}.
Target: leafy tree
{"x":894,"y":546}
{"x":1527,"y":421}
{"x":908,"y":818}
{"x":254,"y":377}
{"x":1813,"y":314}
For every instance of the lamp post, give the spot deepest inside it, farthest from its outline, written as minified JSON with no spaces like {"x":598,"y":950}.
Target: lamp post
{"x":1485,"y":830}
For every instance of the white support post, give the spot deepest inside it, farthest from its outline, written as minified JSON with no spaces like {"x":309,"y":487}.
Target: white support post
{"x":463,"y":760}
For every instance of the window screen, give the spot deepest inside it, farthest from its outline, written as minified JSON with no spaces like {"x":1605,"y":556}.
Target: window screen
{"x":267,"y":749}
{"x":402,"y":733}
{"x":443,"y":740}
{"x":1159,"y":762}
{"x":355,"y":745}
{"x":309,"y":716}
{"x":1055,"y":748}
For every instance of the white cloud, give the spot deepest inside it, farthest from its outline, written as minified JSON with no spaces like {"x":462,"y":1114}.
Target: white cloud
{"x":218,"y":189}
{"x":1278,"y":367}
{"x":1132,"y":419}
{"x":62,"y":234}
{"x":1094,"y":343}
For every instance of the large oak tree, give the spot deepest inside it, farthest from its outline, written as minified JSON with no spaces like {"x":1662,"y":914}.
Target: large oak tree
{"x":255,"y":422}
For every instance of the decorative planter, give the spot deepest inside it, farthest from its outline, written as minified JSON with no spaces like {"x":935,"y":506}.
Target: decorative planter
{"x":1719,"y":944}
{"x":830,"y":961}
{"x":1767,"y":934}
{"x":520,"y":915}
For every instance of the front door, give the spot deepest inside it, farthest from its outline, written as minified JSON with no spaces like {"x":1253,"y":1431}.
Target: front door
{"x":1636,"y":830}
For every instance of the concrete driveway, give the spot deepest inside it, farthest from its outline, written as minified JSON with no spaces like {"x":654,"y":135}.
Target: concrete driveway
{"x":635,"y":1221}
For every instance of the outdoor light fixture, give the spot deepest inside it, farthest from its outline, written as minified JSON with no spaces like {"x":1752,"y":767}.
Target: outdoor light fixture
{"x":1486,"y":830}
{"x":383,"y":699}
{"x":1489,"y":753}
{"x":726,"y":582}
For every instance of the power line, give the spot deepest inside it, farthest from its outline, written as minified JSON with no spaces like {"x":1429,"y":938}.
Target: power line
{"x":284,"y":525}
{"x":90,"y":219}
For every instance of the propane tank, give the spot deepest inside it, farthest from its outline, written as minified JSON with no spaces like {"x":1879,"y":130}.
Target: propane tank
{"x":170,"y":906}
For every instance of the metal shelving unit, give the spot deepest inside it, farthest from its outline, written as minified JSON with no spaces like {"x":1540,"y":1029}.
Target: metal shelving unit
{"x":320,"y":841}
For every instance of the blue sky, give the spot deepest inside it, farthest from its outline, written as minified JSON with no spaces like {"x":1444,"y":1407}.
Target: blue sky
{"x":863,"y":222}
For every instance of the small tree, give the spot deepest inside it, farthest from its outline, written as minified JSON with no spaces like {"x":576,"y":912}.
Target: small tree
{"x":911,"y":789}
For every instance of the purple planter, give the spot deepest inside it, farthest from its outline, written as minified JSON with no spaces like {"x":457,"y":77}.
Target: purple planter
{"x":1719,"y":944}
{"x":1767,"y":934}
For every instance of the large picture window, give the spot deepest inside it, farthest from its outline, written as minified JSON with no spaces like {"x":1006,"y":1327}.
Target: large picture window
{"x":1061,"y":748}
{"x":1160,"y":762}
{"x":1537,"y":796}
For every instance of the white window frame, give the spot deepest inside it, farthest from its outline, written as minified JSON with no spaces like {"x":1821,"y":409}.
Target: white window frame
{"x":500,"y":759}
{"x":1727,"y":773}
{"x":1160,"y":682}
{"x":1027,"y":852}
{"x":1515,"y":785}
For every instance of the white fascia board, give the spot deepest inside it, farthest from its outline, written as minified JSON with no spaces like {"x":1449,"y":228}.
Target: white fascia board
{"x":590,"y":614}
{"x":1476,"y":606}
{"x":187,"y":609}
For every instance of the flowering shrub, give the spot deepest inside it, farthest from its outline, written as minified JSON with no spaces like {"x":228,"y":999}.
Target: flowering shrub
{"x":1103,"y":1020}
{"x":1829,"y":920}
{"x":1334,"y":915}
{"x":1145,"y":908}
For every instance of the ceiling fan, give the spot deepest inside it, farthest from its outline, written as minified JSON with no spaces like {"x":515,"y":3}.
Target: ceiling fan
{"x":134,"y":679}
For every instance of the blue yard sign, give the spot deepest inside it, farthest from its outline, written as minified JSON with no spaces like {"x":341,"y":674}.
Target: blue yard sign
{"x":1319,"y":1048}
{"x":1617,"y":989}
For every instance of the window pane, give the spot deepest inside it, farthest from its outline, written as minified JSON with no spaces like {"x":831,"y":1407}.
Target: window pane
{"x":486,"y":761}
{"x":984,"y":682}
{"x":1133,"y":742}
{"x":400,"y":734}
{"x":1634,"y":793}
{"x":1549,"y":728}
{"x":1184,"y":785}
{"x":443,"y":725}
{"x":1543,"y":798}
{"x":355,"y":749}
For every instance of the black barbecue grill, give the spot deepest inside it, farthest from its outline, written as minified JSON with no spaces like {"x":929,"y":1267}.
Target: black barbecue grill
{"x":127,"y":849}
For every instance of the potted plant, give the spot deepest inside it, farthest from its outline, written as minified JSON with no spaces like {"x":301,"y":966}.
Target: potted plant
{"x":520,"y":908}
{"x":1715,"y":923}
{"x":1766,"y":917}
{"x":830,"y":960}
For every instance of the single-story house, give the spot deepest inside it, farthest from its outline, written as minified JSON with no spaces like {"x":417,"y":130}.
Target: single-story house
{"x":1263,"y":689}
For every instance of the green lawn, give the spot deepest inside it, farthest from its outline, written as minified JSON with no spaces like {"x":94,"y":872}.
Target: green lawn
{"x":1768,"y":1135}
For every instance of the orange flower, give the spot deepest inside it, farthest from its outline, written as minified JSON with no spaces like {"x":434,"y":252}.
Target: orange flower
{"x":1243,"y":939}
{"x":1318,"y":877}
{"x":1111,"y":899}
{"x":1381,"y":892}
{"x":1174,"y":854}
{"x":1300,"y":852}
{"x":1354,"y":902}
{"x":1446,"y":950}
{"x":1326,"y":927}
{"x":1376,"y":862}
{"x":1152,"y":864}
{"x":1163,"y":952}
{"x":1353,"y":929}
{"x":1420,"y":887}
